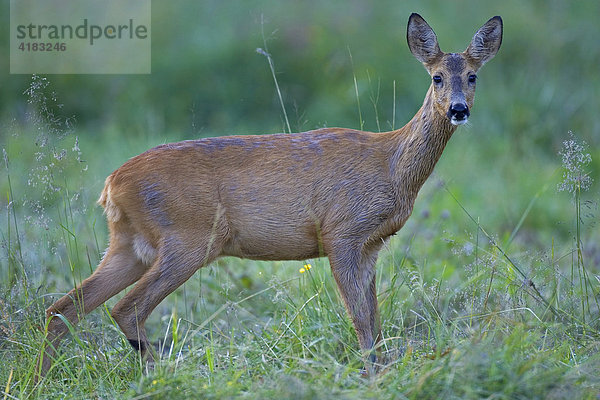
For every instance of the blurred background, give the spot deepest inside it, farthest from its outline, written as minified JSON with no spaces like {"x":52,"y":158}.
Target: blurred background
{"x":207,"y":78}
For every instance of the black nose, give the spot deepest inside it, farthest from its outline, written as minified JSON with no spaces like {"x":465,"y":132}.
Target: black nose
{"x":458,"y":111}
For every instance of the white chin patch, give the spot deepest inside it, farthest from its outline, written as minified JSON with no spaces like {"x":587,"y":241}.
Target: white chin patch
{"x":455,"y":121}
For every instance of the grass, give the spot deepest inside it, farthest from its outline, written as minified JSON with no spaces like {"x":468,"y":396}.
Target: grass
{"x":472,"y":305}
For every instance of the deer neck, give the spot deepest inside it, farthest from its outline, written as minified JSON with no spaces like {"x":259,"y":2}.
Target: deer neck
{"x":418,"y":147}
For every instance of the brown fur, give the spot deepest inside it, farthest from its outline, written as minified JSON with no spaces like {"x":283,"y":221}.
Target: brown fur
{"x":331,"y":192}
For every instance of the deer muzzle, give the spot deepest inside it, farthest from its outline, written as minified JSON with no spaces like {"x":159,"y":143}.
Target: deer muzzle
{"x":458,"y":113}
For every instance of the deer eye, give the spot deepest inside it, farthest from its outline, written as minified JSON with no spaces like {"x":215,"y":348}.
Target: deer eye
{"x":437,"y":79}
{"x":472,"y":78}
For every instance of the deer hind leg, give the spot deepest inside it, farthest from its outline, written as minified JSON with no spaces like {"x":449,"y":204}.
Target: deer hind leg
{"x":119,"y":268}
{"x":354,"y":273}
{"x":177,"y":261}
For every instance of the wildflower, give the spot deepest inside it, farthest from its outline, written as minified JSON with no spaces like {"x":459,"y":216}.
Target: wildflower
{"x":305,"y":268}
{"x":574,"y":159}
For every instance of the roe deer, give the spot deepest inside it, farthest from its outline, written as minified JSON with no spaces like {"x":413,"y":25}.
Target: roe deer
{"x":330,"y":192}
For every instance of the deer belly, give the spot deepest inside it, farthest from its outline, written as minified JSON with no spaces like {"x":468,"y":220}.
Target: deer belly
{"x":262,"y":238}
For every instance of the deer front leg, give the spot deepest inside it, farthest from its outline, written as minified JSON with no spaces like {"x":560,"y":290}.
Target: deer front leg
{"x":354,"y":273}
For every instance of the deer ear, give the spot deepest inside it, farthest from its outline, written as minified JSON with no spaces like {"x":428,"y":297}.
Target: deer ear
{"x":422,"y":41}
{"x":486,"y":42}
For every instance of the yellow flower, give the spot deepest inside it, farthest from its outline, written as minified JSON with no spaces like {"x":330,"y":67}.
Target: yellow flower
{"x":305,"y":268}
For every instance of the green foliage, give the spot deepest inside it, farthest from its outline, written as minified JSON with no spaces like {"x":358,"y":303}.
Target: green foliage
{"x":490,"y":290}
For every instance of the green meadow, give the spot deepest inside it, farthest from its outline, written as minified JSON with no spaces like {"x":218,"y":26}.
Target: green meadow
{"x":491,"y":290}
